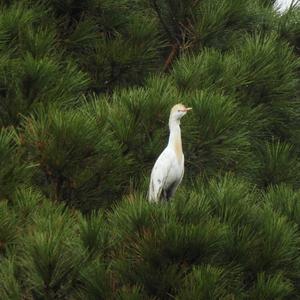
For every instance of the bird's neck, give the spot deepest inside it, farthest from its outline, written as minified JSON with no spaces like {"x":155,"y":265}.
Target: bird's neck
{"x":175,"y":139}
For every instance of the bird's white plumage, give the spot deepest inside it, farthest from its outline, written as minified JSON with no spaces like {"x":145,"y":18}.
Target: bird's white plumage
{"x":168,"y":169}
{"x":166,"y":175}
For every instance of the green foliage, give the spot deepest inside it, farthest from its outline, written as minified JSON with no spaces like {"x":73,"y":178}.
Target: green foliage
{"x":261,"y":71}
{"x":94,"y":234}
{"x":110,"y":66}
{"x":13,"y":171}
{"x":219,"y":240}
{"x":32,"y":70}
{"x":190,"y":24}
{"x":220,"y":21}
{"x":8,"y":228}
{"x":207,"y":282}
{"x":271,"y":287}
{"x":271,"y":64}
{"x":94,"y":282}
{"x":9,"y":286}
{"x":217,"y":133}
{"x":73,"y":163}
{"x":230,"y":199}
{"x":139,"y":117}
{"x":29,"y":81}
{"x":14,"y":22}
{"x":279,"y":241}
{"x":51,"y":257}
{"x":289,"y":27}
{"x":206,"y":70}
{"x":277,"y":163}
{"x":284,"y":201}
{"x":219,"y":232}
{"x":134,"y":293}
{"x":159,"y":247}
{"x":26,"y":202}
{"x":86,"y":89}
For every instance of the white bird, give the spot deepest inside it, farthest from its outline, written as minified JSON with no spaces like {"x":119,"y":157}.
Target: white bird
{"x":168,"y":169}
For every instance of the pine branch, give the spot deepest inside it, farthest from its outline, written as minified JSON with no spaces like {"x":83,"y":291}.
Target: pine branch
{"x":171,"y":57}
{"x":157,"y":10}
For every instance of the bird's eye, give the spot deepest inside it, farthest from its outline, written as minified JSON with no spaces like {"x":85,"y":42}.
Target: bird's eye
{"x":178,"y":110}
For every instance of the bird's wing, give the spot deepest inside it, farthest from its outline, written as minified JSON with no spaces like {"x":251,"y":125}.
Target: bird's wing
{"x":159,"y":175}
{"x":174,"y":186}
{"x":182,"y":171}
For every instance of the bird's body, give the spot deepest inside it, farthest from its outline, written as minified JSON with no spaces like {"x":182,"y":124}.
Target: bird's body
{"x":166,"y":175}
{"x":168,"y":170}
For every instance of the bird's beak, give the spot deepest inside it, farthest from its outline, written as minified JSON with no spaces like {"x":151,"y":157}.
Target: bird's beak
{"x":188,"y":108}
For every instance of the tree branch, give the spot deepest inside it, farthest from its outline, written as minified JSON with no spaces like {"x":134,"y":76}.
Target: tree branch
{"x":171,"y":56}
{"x":157,"y":10}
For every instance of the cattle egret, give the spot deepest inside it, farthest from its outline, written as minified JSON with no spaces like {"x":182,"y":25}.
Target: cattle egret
{"x":168,"y":170}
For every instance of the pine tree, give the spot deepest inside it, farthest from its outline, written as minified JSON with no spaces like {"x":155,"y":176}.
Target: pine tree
{"x":85,"y":93}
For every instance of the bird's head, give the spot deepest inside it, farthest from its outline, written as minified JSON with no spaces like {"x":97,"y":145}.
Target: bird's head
{"x":178,"y":111}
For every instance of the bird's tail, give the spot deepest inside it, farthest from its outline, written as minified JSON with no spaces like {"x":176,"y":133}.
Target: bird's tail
{"x":154,"y":191}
